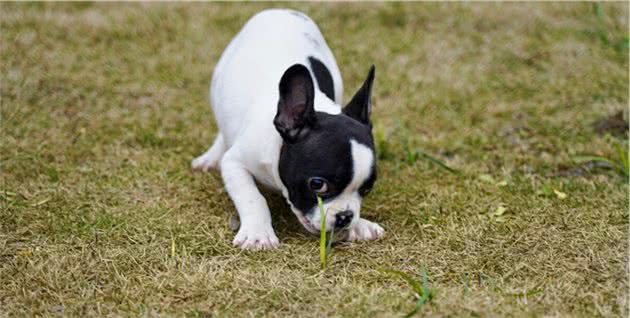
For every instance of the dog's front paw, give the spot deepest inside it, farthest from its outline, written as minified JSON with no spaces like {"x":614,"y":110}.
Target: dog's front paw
{"x":260,"y":237}
{"x":365,"y":230}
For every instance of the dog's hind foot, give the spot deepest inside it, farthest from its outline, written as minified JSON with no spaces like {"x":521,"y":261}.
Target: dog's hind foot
{"x":210,"y":159}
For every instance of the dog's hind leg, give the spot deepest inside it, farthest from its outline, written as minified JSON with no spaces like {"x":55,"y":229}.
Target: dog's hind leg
{"x":210,"y":159}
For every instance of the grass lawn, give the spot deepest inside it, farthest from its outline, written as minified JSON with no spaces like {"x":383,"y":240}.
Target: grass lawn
{"x":105,"y":105}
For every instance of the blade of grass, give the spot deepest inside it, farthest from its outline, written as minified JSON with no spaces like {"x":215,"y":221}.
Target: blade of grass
{"x":426,"y":292}
{"x":623,"y":44}
{"x":601,"y":32}
{"x":584,"y":159}
{"x":322,"y":234}
{"x":466,"y":281}
{"x":608,"y":164}
{"x":597,"y":9}
{"x":414,"y":283}
{"x":530,"y":292}
{"x":412,"y":155}
{"x":415,"y":310}
{"x":330,"y":241}
{"x":172,"y":246}
{"x":623,"y":157}
{"x":382,"y":147}
{"x":425,"y":280}
{"x":436,"y":161}
{"x":422,"y":290}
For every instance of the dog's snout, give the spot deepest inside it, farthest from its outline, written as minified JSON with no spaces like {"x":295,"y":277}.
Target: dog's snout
{"x":343,"y":219}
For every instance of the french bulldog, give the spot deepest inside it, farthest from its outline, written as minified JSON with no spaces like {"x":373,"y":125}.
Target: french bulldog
{"x":276,"y":96}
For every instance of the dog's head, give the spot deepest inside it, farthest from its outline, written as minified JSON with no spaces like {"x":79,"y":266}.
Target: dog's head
{"x":325,"y":155}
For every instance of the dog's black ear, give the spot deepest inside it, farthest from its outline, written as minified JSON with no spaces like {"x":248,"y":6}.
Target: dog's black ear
{"x":296,"y":115}
{"x":360,"y":106}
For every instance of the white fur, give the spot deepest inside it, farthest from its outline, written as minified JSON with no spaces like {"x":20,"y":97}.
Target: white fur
{"x":244,"y":96}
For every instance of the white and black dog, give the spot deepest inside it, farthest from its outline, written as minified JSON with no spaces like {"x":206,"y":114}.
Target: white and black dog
{"x":276,"y":94}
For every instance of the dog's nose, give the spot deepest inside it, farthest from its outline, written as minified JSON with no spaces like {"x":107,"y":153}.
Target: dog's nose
{"x":342,"y":219}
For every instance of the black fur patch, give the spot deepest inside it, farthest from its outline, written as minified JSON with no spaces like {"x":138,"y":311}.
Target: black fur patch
{"x":326,"y":153}
{"x":298,"y":14}
{"x":312,"y":39}
{"x":323,"y":76}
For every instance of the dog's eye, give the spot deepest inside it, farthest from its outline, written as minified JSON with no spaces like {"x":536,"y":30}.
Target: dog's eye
{"x":318,"y":185}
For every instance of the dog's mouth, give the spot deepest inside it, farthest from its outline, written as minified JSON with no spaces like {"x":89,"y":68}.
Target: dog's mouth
{"x":339,"y":235}
{"x":308,"y":225}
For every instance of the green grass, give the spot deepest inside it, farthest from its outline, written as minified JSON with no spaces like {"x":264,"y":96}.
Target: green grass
{"x":618,"y":165}
{"x":104,"y":105}
{"x":325,"y":245}
{"x":422,"y":291}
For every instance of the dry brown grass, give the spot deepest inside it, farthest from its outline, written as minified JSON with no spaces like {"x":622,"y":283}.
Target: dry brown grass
{"x":104,"y":106}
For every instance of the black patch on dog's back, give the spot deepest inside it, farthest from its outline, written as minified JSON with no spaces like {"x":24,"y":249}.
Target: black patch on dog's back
{"x":311,"y":38}
{"x":323,"y":77}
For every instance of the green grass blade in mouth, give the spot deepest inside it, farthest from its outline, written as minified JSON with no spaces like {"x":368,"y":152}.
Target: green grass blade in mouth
{"x":330,"y":241}
{"x":322,"y":233}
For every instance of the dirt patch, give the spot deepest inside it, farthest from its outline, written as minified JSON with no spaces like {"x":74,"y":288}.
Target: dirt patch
{"x":581,"y":169}
{"x":615,"y":125}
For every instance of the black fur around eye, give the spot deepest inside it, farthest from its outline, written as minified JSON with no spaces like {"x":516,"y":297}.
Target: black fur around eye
{"x":318,"y":185}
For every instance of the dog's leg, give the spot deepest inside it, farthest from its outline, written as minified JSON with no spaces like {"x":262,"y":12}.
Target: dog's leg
{"x":210,"y":159}
{"x":255,"y":231}
{"x":365,"y":230}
